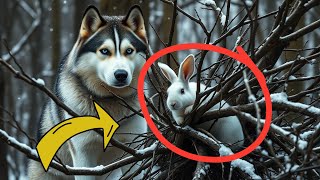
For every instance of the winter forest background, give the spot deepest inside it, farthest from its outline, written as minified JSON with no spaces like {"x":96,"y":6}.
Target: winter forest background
{"x":281,"y":36}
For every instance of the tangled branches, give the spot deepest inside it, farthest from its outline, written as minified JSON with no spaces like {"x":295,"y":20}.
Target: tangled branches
{"x":291,"y":148}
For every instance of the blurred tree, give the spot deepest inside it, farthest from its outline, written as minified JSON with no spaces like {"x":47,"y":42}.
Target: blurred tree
{"x":295,"y":47}
{"x":168,"y":30}
{"x":80,"y":7}
{"x":316,"y":38}
{"x":55,"y":34}
{"x":3,"y":145}
{"x":116,"y":7}
{"x":298,"y":86}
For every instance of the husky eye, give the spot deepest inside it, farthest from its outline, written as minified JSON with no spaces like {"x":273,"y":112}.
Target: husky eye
{"x":105,"y":51}
{"x":129,"y":51}
{"x":182,"y":91}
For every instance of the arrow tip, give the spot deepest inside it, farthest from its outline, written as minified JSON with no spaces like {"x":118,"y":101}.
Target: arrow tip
{"x":44,"y":157}
{"x":108,"y":124}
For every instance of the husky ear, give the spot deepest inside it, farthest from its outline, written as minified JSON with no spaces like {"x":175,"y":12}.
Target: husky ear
{"x":134,"y":20}
{"x":186,"y":68}
{"x":91,"y":22}
{"x":167,"y":72}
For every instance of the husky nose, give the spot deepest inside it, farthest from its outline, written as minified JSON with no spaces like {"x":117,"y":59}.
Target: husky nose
{"x":121,"y":75}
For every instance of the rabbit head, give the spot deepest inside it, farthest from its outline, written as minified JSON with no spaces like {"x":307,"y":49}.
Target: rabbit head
{"x":180,"y":95}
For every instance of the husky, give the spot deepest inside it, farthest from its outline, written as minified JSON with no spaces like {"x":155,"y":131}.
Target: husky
{"x":103,"y":66}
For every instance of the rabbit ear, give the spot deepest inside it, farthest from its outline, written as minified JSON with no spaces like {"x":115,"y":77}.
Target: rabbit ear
{"x":186,"y":68}
{"x":167,"y":72}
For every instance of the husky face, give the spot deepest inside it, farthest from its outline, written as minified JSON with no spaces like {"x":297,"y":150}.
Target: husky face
{"x":110,"y":52}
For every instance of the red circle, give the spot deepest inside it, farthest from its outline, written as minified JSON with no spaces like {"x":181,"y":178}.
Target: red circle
{"x":242,"y":57}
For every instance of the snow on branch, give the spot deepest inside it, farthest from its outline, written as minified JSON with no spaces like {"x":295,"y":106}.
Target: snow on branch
{"x":245,"y":166}
{"x":293,"y":139}
{"x":213,"y":5}
{"x":279,"y":101}
{"x":98,"y":170}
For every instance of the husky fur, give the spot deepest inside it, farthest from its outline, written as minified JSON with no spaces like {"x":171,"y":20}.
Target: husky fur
{"x":103,"y":65}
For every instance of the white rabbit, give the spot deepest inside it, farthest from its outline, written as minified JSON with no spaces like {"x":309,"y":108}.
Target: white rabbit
{"x":182,"y":95}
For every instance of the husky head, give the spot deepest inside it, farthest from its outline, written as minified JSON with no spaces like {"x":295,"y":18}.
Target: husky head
{"x":109,"y":52}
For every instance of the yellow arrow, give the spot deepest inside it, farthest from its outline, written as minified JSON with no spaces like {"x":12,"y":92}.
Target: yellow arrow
{"x":59,"y":134}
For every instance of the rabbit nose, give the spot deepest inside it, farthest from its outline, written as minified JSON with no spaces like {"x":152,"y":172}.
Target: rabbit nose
{"x":173,"y":104}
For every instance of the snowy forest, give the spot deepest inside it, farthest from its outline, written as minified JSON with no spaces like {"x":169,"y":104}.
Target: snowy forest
{"x":281,"y":37}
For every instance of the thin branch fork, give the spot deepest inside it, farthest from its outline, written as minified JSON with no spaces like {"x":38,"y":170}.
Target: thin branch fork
{"x":24,"y":39}
{"x":24,"y":77}
{"x":301,"y":32}
{"x":276,"y":129}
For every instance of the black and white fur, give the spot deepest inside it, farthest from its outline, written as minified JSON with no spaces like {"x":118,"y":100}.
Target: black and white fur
{"x":103,"y":65}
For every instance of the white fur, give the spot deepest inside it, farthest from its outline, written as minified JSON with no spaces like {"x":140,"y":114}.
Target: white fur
{"x":228,"y":129}
{"x":117,"y":41}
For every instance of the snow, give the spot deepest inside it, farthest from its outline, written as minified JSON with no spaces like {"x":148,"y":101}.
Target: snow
{"x":39,"y":81}
{"x":283,"y":98}
{"x":155,"y":168}
{"x":279,"y":129}
{"x":306,"y":134}
{"x":223,"y":19}
{"x":252,"y":98}
{"x":213,"y":4}
{"x":302,"y":144}
{"x":264,"y":152}
{"x":12,"y":140}
{"x":238,"y":40}
{"x":245,"y":166}
{"x":96,"y":168}
{"x":295,"y":125}
{"x":202,"y":171}
{"x":209,"y":2}
{"x":291,"y":168}
{"x":279,"y":97}
{"x":150,"y":148}
{"x":292,"y":77}
{"x":295,"y":167}
{"x":249,"y":2}
{"x":225,"y":151}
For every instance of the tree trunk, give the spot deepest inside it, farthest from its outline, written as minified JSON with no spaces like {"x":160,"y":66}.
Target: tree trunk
{"x":3,"y":145}
{"x":55,"y":34}
{"x":79,"y":9}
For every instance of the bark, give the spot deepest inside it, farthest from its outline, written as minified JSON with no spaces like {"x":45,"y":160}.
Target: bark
{"x":55,"y":34}
{"x":3,"y":145}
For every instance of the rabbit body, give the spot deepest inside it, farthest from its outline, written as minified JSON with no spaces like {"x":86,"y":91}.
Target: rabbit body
{"x":182,"y":95}
{"x":227,"y":129}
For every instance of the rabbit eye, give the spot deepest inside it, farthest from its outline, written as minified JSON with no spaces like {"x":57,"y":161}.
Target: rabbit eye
{"x":182,"y":91}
